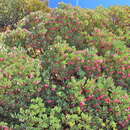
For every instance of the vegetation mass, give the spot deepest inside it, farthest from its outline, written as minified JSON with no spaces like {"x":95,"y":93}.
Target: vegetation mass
{"x":66,"y":68}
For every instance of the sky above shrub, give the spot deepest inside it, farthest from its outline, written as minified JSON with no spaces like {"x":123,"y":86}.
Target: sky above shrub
{"x":90,"y":3}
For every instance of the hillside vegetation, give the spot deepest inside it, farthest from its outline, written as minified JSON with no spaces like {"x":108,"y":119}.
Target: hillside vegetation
{"x":66,"y":68}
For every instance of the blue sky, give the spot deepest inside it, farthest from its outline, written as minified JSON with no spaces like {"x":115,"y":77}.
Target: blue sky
{"x":91,"y":3}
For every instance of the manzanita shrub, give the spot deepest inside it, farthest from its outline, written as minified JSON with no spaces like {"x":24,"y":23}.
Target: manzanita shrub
{"x":11,"y":11}
{"x":30,"y":34}
{"x":62,"y":61}
{"x":118,"y":64}
{"x":79,"y":27}
{"x":79,"y":104}
{"x":35,"y":5}
{"x":19,"y":79}
{"x":15,"y":38}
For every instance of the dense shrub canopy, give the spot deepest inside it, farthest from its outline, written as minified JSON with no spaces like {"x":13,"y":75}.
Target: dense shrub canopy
{"x":19,"y":76}
{"x":13,"y":10}
{"x":66,"y":68}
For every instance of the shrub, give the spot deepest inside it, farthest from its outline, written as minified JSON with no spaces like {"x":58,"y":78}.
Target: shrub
{"x":102,"y":40}
{"x":89,"y":96}
{"x":32,"y":43}
{"x":29,"y":34}
{"x":39,"y":117}
{"x":79,"y":103}
{"x":118,"y":64}
{"x":81,"y":30}
{"x":19,"y":79}
{"x":35,"y":5}
{"x":108,"y":102}
{"x":57,"y":23}
{"x":15,"y":38}
{"x":11,"y":11}
{"x":61,"y":62}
